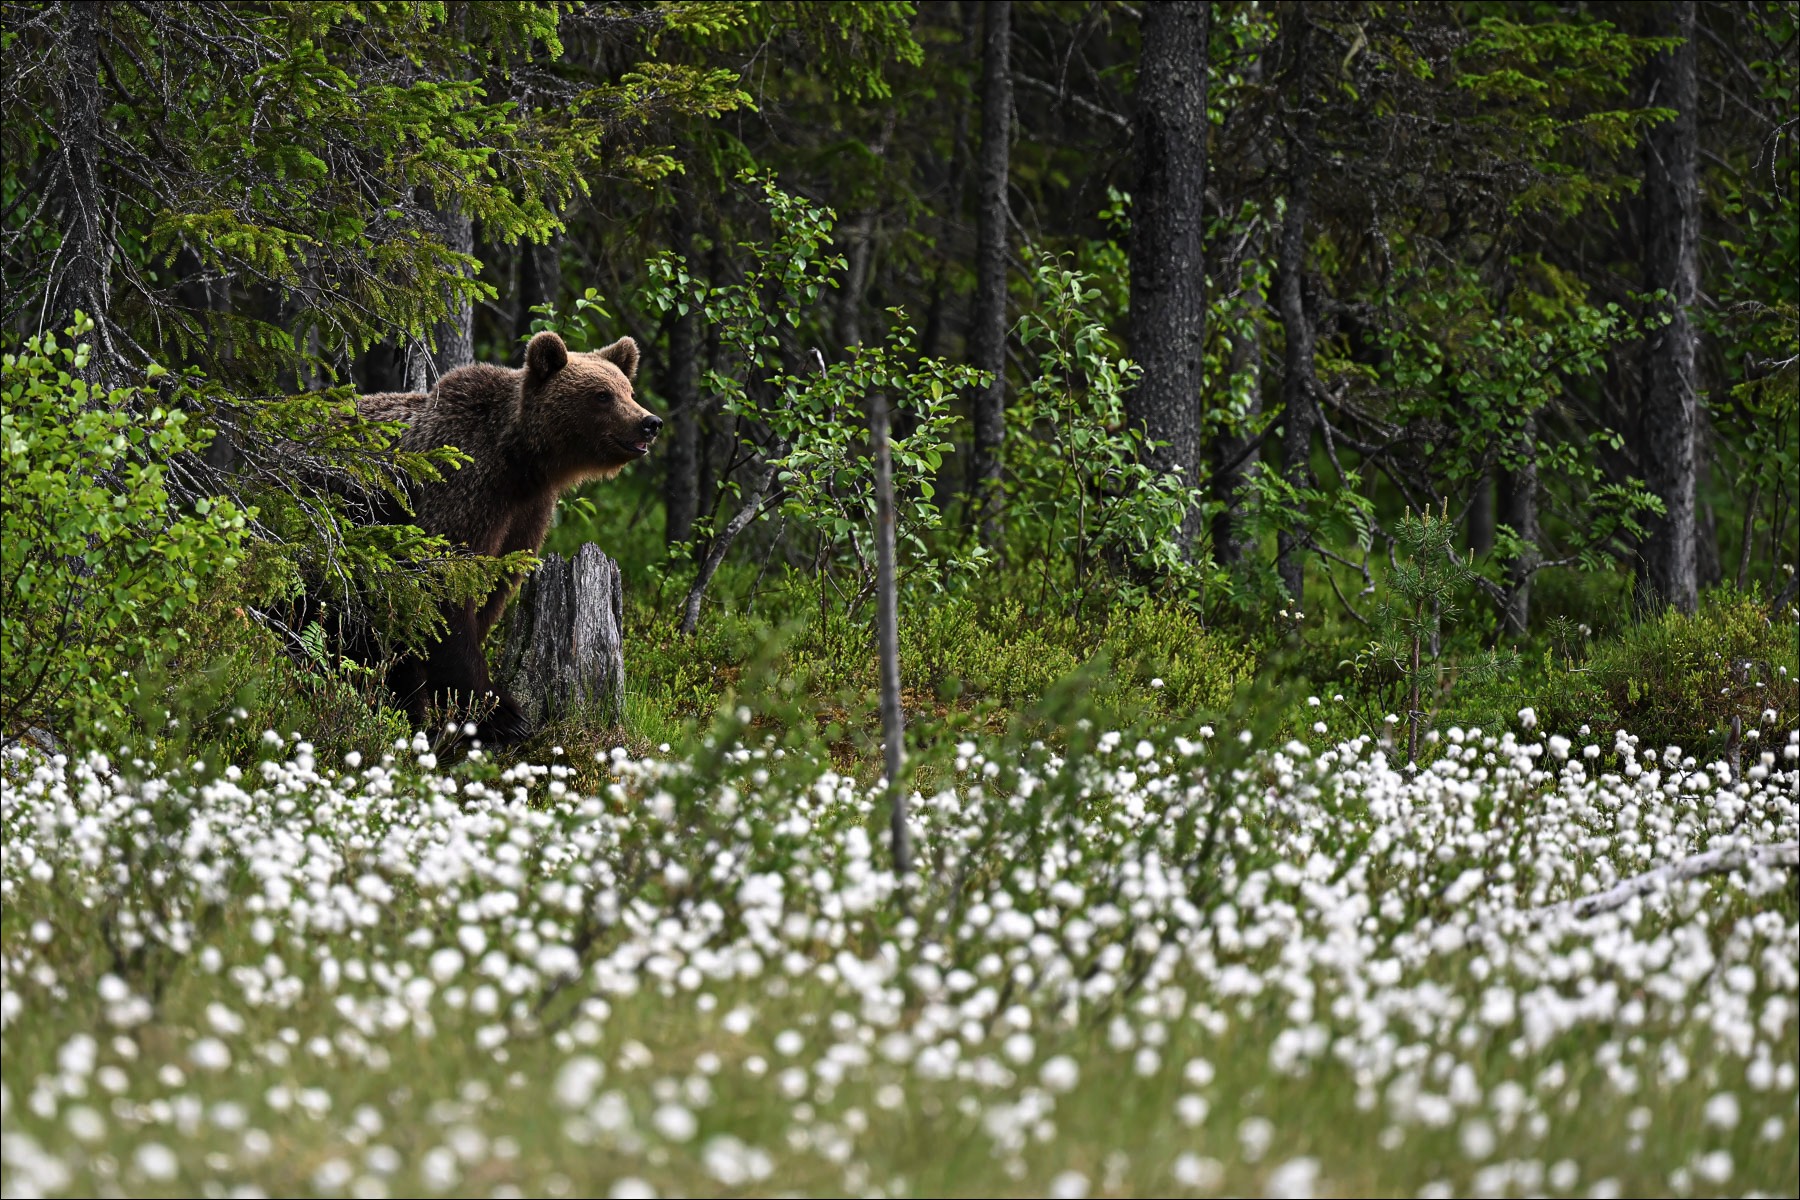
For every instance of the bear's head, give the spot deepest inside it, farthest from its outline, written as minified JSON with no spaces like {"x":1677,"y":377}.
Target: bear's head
{"x":578,"y":411}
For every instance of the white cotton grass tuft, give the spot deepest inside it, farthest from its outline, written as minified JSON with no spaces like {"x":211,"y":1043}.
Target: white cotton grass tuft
{"x":1456,"y":951}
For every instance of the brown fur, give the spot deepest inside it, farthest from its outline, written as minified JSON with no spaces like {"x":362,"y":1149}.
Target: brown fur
{"x":531,"y":434}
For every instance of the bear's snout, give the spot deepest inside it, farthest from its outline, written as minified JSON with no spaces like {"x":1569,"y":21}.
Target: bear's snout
{"x":650,"y":426}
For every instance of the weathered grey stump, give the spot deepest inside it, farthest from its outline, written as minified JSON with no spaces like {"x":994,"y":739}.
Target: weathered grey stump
{"x":565,"y":645}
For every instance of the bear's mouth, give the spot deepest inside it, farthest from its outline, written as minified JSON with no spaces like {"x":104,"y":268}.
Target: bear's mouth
{"x":642,"y":448}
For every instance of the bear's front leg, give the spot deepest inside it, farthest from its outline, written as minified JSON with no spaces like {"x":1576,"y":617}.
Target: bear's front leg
{"x":456,"y":678}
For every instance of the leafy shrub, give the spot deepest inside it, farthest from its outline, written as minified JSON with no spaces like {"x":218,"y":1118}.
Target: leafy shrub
{"x":1676,"y":679}
{"x":808,"y":426}
{"x":1080,"y":487}
{"x":231,"y":681}
{"x":100,"y":567}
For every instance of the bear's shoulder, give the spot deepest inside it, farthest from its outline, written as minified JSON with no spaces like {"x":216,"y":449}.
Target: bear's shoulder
{"x":477,"y":388}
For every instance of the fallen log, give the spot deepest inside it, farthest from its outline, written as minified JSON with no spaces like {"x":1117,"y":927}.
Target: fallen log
{"x":1710,"y":862}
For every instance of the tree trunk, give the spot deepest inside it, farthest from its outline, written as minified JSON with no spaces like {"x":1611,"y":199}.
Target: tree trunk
{"x":1670,"y":413}
{"x":456,"y":332}
{"x":453,"y":337}
{"x":858,"y":235}
{"x":1299,"y":407}
{"x":887,"y":638}
{"x":681,"y":482}
{"x":988,"y":329}
{"x":565,"y":648}
{"x":1481,"y":516}
{"x":1518,"y":511}
{"x":1709,"y":572}
{"x":1232,"y":452}
{"x":717,"y":438}
{"x":82,"y":276}
{"x":540,"y":282}
{"x":721,"y":542}
{"x":1168,"y":295}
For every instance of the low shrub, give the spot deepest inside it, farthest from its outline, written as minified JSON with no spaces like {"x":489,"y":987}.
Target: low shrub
{"x":1675,"y":679}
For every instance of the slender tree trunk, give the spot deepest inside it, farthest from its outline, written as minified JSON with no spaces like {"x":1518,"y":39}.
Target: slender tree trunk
{"x":1299,"y":406}
{"x":1168,"y":300}
{"x":1232,"y":452}
{"x":456,"y":332}
{"x":1708,"y":570}
{"x":988,"y":331}
{"x":1519,"y":512}
{"x":721,"y":542}
{"x":540,"y":282}
{"x":1744,"y":544}
{"x":1481,"y":516}
{"x":681,"y":484}
{"x":858,"y":234}
{"x":718,"y":436}
{"x":81,"y":278}
{"x":1670,"y":415}
{"x":452,"y":338}
{"x":887,"y":619}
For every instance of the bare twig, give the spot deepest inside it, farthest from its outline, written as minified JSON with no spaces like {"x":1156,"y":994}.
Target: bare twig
{"x":715,"y":553}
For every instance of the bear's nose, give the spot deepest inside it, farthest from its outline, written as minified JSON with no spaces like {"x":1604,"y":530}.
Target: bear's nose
{"x":650,"y":425}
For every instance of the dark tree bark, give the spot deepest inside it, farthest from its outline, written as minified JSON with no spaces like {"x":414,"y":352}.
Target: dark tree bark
{"x":1481,"y":516}
{"x":81,"y":278}
{"x":987,"y":332}
{"x":454,"y":336}
{"x":859,"y":235}
{"x":1299,"y":405}
{"x":1168,"y":301}
{"x":1233,"y":453}
{"x":1518,"y":510}
{"x":681,"y":482}
{"x":540,"y":282}
{"x":1670,"y":414}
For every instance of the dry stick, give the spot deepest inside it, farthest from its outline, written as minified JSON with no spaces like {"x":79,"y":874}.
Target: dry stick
{"x":887,"y":623}
{"x":1712,"y":862}
{"x":715,"y":553}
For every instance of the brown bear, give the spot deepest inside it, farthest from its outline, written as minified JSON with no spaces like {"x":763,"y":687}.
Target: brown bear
{"x":531,"y":435}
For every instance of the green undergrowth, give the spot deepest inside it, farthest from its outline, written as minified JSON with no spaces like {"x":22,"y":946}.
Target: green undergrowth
{"x":984,"y":658}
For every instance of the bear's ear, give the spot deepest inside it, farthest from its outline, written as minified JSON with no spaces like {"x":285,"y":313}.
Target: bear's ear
{"x":545,"y":356}
{"x":622,"y":354}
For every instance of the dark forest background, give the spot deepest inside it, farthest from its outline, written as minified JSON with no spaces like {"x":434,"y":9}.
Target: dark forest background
{"x":1440,"y":354}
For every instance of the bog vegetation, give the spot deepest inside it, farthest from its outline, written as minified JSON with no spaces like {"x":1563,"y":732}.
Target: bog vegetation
{"x":1345,"y":460}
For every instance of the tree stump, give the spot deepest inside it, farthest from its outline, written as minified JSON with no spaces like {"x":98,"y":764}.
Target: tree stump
{"x":565,"y":645}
